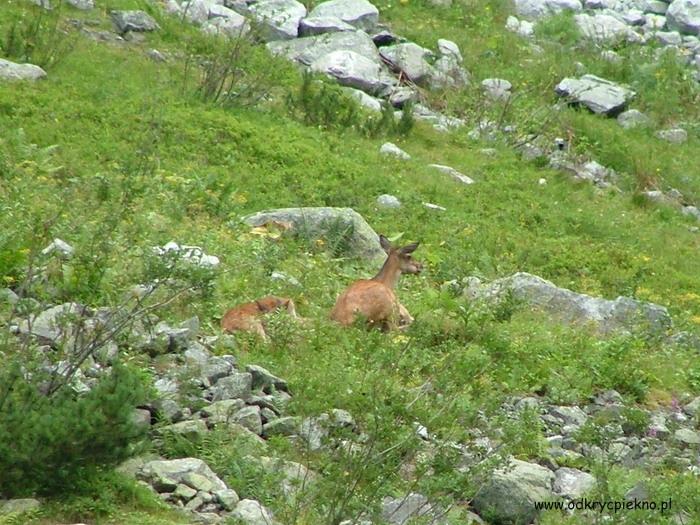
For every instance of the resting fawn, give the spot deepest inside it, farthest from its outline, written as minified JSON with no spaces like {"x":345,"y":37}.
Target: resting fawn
{"x":247,"y":317}
{"x":375,"y":299}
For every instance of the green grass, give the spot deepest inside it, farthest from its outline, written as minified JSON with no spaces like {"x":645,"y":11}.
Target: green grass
{"x":141,"y":159}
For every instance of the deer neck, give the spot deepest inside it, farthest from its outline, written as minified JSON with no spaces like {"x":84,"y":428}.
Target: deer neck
{"x":390,"y":273}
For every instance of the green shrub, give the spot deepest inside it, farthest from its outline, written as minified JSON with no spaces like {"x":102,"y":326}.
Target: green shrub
{"x":49,"y":445}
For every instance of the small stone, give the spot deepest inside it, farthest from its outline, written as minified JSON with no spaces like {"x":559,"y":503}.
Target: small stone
{"x":59,"y":247}
{"x":184,"y":492}
{"x":674,"y":135}
{"x":283,"y":426}
{"x":456,"y":175}
{"x":392,"y":150}
{"x":388,"y":201}
{"x":191,"y":430}
{"x":138,"y":21}
{"x":633,"y":118}
{"x":432,"y":206}
{"x":693,"y":408}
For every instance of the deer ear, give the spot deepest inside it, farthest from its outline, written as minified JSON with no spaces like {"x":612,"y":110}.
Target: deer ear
{"x":385,"y":244}
{"x":410,"y":248}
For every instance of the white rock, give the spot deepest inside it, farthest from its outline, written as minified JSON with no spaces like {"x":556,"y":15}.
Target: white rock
{"x":393,"y":150}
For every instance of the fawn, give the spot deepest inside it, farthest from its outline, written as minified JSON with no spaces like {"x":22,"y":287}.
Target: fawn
{"x":247,"y":317}
{"x":375,"y":299}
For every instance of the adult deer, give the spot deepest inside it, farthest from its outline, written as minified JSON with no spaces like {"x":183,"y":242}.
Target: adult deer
{"x":375,"y":299}
{"x":247,"y":317}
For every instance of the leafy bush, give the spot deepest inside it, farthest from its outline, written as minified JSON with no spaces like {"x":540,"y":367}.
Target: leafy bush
{"x":50,"y":444}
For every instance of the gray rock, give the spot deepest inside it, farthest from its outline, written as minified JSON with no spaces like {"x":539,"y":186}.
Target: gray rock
{"x":569,"y":415}
{"x":309,"y":49}
{"x":283,"y":426}
{"x":440,"y":122}
{"x":366,"y":101}
{"x":639,"y":492}
{"x":193,"y":430}
{"x":599,"y":95}
{"x":234,"y":26}
{"x":168,"y":410}
{"x":227,"y":498}
{"x":278,"y":19}
{"x":668,"y":38}
{"x":572,"y":483}
{"x":13,"y":71}
{"x":136,"y":21}
{"x":18,"y":506}
{"x":392,"y":150}
{"x":311,"y":26}
{"x":59,"y":247}
{"x":358,"y":13}
{"x":674,"y":135}
{"x":141,"y":418}
{"x":687,"y":436}
{"x":166,"y":475}
{"x":453,"y":173}
{"x":362,"y":240}
{"x":521,"y":27}
{"x":249,"y":417}
{"x":313,"y":431}
{"x":236,"y":386}
{"x":8,"y":296}
{"x":402,"y":510}
{"x":435,"y":207}
{"x":621,"y":314}
{"x":83,"y":5}
{"x":448,"y":49}
{"x":265,"y":380}
{"x":684,"y":16}
{"x":215,"y":368}
{"x":602,"y":28}
{"x":388,"y":201}
{"x":655,"y":6}
{"x":294,"y":478}
{"x":222,"y":411}
{"x":196,"y":11}
{"x":693,"y":408}
{"x":510,"y":495}
{"x":409,"y":59}
{"x":657,"y":426}
{"x":401,"y":95}
{"x":184,"y":492}
{"x":251,"y":512}
{"x":58,"y":324}
{"x":633,"y":118}
{"x":496,"y":88}
{"x":536,"y":9}
{"x":352,"y":69}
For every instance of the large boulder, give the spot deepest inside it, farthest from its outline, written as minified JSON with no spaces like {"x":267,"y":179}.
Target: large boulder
{"x":166,"y":475}
{"x":361,"y":240}
{"x":409,"y":59}
{"x":278,"y":19}
{"x":597,"y":94}
{"x":684,"y":16}
{"x":13,"y":71}
{"x":357,"y":13}
{"x":602,"y":28}
{"x":309,"y":49}
{"x":352,"y":70}
{"x":620,"y":315}
{"x":509,"y":496}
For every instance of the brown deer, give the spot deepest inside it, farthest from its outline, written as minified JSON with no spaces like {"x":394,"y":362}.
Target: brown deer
{"x":375,"y":299}
{"x":247,"y":317}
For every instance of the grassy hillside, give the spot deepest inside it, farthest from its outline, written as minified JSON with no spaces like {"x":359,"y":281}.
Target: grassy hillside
{"x":115,"y":153}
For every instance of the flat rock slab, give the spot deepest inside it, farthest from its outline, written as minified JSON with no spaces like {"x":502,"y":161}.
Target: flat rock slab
{"x":166,"y":475}
{"x":620,"y":315}
{"x":352,"y":70}
{"x":319,"y":25}
{"x":597,"y":94}
{"x":362,"y":241}
{"x":358,"y":13}
{"x":308,"y":49}
{"x":13,"y":71}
